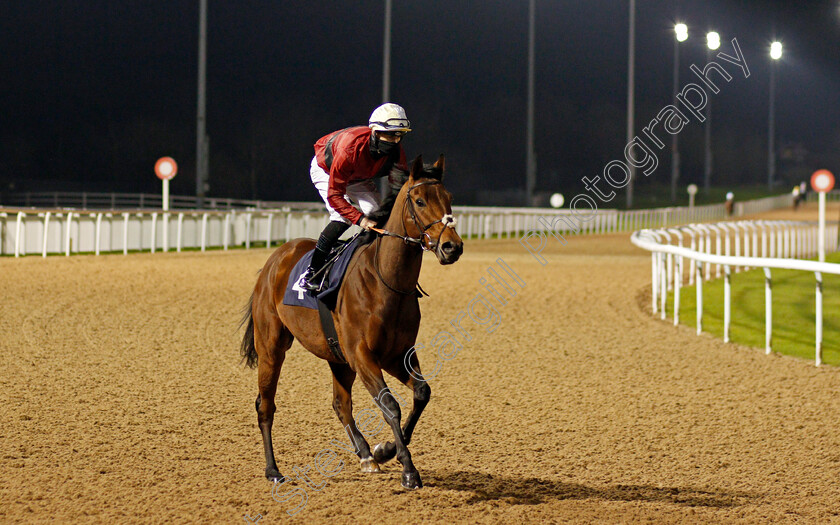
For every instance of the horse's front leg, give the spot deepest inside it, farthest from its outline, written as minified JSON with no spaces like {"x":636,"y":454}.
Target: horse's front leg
{"x":383,"y":452}
{"x":372,"y":378}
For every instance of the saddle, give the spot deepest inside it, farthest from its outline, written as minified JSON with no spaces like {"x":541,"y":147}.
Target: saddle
{"x":332,"y":275}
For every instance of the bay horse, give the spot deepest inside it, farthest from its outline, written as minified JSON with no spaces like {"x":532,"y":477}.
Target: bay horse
{"x":377,"y":317}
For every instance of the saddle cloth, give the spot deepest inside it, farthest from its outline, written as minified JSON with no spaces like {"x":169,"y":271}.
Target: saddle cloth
{"x":295,"y":295}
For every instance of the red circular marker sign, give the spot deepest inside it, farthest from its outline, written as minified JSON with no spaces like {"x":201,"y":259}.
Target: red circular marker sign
{"x":166,"y":168}
{"x":822,"y":181}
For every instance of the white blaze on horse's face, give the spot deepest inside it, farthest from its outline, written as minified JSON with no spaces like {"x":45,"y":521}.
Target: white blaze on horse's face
{"x":449,"y":245}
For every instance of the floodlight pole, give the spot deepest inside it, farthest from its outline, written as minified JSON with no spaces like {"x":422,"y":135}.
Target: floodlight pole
{"x":201,"y":163}
{"x":821,"y":227}
{"x":631,"y":66}
{"x":386,"y":55}
{"x":531,"y":169}
{"x":675,"y":153}
{"x":707,"y":164}
{"x":771,"y":129}
{"x":386,"y":77}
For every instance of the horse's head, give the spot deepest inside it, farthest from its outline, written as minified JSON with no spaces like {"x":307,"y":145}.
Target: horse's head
{"x":427,"y":211}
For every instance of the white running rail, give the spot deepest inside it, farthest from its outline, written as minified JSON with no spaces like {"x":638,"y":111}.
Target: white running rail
{"x":27,"y":231}
{"x":738,"y":246}
{"x":66,"y":230}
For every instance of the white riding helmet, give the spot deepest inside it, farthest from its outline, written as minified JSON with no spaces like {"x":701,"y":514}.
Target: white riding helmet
{"x":389,"y":118}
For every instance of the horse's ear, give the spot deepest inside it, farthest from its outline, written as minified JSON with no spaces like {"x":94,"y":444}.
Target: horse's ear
{"x":417,"y":168}
{"x":440,"y":162}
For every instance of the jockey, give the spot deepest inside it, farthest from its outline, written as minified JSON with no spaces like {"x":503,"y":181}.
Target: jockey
{"x":343,"y":168}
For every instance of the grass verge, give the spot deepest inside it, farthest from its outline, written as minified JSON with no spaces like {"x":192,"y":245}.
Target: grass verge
{"x":794,"y":310}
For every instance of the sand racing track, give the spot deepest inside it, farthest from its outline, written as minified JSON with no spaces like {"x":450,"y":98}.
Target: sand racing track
{"x":122,"y":401}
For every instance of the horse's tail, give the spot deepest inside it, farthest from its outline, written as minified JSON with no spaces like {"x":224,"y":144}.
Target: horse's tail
{"x":247,"y":349}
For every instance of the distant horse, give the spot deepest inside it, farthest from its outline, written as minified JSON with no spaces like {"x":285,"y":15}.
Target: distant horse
{"x":376,"y":315}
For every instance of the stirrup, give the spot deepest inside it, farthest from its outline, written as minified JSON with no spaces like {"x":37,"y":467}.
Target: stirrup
{"x":309,"y":285}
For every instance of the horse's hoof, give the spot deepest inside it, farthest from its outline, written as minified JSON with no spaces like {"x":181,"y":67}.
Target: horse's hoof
{"x":384,"y":452}
{"x":273,"y":475}
{"x":411,"y":480}
{"x":370,"y":465}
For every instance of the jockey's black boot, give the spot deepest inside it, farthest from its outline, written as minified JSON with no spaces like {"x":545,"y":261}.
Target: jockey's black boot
{"x":326,"y":241}
{"x":309,"y":282}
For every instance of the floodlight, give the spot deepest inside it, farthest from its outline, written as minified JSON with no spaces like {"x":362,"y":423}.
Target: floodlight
{"x":713,"y":40}
{"x":682,"y":32}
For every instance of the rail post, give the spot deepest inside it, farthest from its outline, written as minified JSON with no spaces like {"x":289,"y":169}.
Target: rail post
{"x":718,"y":245}
{"x":736,"y":228}
{"x":46,"y":233}
{"x":204,"y":231}
{"x":786,"y":242}
{"x":768,"y":312}
{"x":677,"y":288}
{"x":98,"y":231}
{"x":165,"y":230}
{"x":18,"y":227}
{"x":268,"y":232}
{"x":125,"y":233}
{"x":678,"y":281}
{"x":690,"y":230}
{"x":678,"y":275}
{"x":707,"y":244}
{"x":727,"y":302}
{"x":819,"y":318}
{"x":654,"y":280}
{"x":663,"y":284}
{"x":287,"y":227}
{"x":226,"y":225}
{"x":727,"y":244}
{"x":248,"y":217}
{"x":699,"y":294}
{"x":179,"y":237}
{"x":154,"y":230}
{"x":226,"y":233}
{"x":67,"y":236}
{"x":772,"y":240}
{"x":668,"y":264}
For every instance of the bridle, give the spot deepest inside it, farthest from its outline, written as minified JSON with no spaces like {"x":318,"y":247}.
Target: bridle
{"x":424,"y":240}
{"x":448,"y":221}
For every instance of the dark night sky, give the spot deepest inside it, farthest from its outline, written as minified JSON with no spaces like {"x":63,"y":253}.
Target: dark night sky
{"x":93,"y":92}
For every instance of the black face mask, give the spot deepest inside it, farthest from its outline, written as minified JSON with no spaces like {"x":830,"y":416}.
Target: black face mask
{"x":381,"y":148}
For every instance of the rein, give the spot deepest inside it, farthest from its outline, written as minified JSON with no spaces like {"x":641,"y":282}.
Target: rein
{"x":379,"y":273}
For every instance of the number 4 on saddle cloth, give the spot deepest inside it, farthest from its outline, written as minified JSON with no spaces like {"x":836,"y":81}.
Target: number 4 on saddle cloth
{"x":296,"y":295}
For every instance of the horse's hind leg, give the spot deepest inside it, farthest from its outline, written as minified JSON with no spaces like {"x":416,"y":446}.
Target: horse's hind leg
{"x":343,"y":377}
{"x":272,"y":339}
{"x":383,"y":452}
